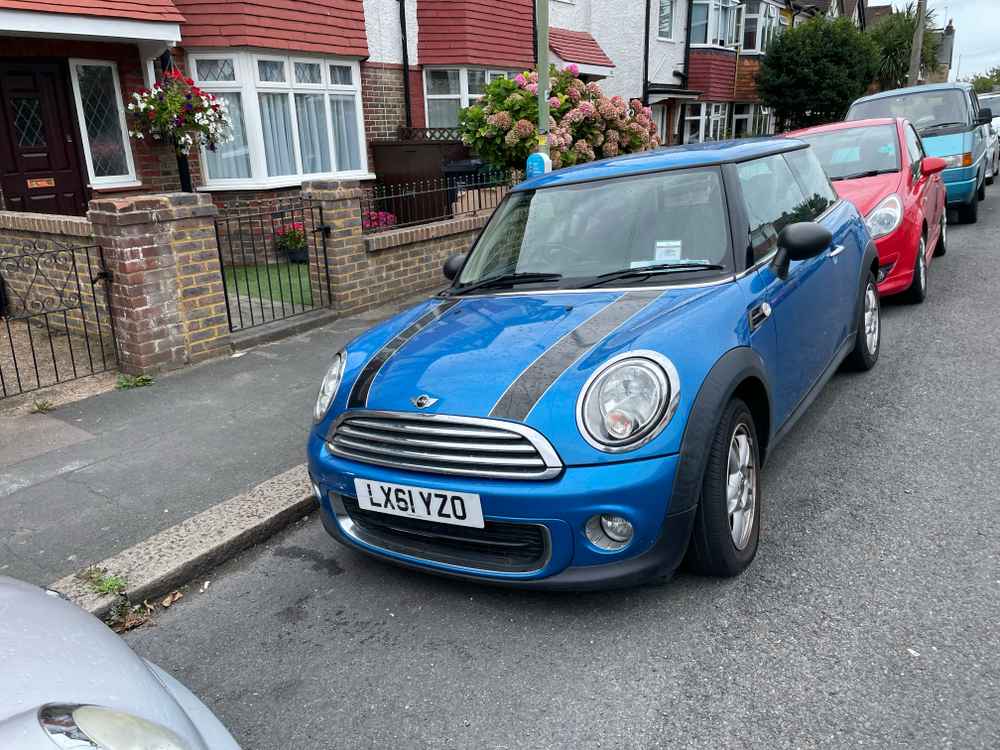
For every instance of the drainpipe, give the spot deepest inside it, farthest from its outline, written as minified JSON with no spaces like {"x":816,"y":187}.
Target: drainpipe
{"x":645,"y":59}
{"x":406,"y":64}
{"x":687,"y":68}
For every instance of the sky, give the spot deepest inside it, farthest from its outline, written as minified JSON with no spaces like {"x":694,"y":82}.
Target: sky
{"x":977,"y":32}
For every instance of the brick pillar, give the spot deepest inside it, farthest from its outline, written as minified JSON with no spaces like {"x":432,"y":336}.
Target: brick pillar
{"x":346,"y":259}
{"x":167,"y":298}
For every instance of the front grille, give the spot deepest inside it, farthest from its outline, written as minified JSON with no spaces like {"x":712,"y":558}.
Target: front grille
{"x":443,"y":444}
{"x":499,"y":546}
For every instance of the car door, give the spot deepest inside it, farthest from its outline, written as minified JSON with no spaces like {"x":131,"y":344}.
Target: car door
{"x":922,"y":189}
{"x":980,"y":135}
{"x":803,"y":305}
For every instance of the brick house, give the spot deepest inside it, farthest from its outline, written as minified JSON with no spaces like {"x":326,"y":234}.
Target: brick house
{"x":727,"y":41}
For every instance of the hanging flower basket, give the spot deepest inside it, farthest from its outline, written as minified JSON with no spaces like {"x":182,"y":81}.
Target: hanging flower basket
{"x":177,"y":112}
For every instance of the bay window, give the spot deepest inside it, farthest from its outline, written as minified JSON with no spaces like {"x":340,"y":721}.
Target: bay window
{"x":101,"y":114}
{"x":762,"y":21}
{"x":447,"y":90}
{"x":715,"y":22}
{"x":293,"y":117}
{"x":665,"y":20}
{"x":706,"y":121}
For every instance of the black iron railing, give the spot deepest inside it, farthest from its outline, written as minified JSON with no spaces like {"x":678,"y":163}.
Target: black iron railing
{"x":404,"y":204}
{"x":55,"y":321}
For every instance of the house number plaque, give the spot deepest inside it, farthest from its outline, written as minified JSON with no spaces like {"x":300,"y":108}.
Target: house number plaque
{"x":42,"y":182}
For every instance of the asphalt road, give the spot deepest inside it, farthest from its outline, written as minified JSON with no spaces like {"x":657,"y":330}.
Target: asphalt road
{"x":870,"y":618}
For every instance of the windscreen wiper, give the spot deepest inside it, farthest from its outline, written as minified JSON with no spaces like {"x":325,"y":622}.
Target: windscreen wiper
{"x":506,"y":279}
{"x":628,"y":273}
{"x":859,"y":175}
{"x":937,"y":125}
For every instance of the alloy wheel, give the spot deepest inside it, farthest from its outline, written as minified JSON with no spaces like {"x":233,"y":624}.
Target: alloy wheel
{"x":871,"y":319}
{"x":922,"y":265}
{"x":944,"y":227}
{"x":741,"y":486}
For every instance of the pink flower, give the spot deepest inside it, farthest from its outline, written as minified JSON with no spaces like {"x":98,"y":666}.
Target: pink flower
{"x":573,"y":69}
{"x":532,"y":87}
{"x":594,"y":89}
{"x":520,"y":80}
{"x":574,"y":95}
{"x":524,"y":128}
{"x":501,"y":120}
{"x":554,"y":101}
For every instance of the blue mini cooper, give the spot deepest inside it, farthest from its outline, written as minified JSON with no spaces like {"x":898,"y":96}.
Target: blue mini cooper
{"x":591,"y":400}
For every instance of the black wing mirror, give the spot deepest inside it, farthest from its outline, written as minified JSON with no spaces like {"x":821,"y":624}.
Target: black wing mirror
{"x":800,"y":241}
{"x":453,"y":265}
{"x":985,"y":115}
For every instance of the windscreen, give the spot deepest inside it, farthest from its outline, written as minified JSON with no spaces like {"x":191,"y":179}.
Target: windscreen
{"x":926,"y":110}
{"x":856,"y":152}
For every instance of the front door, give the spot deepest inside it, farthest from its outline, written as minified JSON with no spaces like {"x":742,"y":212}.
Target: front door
{"x":39,"y":159}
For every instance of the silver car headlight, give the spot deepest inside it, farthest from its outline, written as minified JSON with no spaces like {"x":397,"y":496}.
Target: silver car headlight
{"x":885,"y":217}
{"x":73,"y":727}
{"x":328,"y":388}
{"x":628,"y":401}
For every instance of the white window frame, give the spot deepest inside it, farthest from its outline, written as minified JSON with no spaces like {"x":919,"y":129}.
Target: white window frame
{"x":673,"y":20}
{"x":117,"y":181}
{"x":463,"y":96}
{"x":248,"y":85}
{"x":712,"y":34}
{"x":712,"y":119}
{"x":770,"y":21}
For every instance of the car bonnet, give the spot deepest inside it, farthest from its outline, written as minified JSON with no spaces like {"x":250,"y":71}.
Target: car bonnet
{"x":54,"y":652}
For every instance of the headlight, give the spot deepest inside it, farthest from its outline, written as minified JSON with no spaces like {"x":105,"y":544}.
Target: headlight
{"x":628,"y":401}
{"x":75,"y":727}
{"x":958,"y":160}
{"x":328,"y":388}
{"x":885,"y":217}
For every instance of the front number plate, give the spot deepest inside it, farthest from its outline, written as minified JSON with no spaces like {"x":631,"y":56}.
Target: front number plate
{"x":441,"y":506}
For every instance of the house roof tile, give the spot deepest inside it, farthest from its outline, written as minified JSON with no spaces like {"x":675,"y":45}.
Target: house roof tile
{"x":578,"y":47}
{"x":133,"y":10}
{"x":329,"y":27}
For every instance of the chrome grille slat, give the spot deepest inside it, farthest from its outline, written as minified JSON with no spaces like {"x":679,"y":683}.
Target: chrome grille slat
{"x":350,"y":430}
{"x":432,"y":429}
{"x":444,"y":444}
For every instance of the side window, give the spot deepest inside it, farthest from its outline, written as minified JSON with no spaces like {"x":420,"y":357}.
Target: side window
{"x":814,"y":182}
{"x":913,"y":149}
{"x":772,"y":198}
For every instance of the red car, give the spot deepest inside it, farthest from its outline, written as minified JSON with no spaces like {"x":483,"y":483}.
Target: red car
{"x":880,"y":166}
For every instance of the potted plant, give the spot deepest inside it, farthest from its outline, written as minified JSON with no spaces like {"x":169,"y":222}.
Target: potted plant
{"x":177,"y":112}
{"x":290,"y":240}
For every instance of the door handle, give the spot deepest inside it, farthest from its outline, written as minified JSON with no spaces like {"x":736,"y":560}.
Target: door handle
{"x":837,"y":250}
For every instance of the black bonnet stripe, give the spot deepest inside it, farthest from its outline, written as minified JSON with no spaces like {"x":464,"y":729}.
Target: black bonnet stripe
{"x":359,"y":393}
{"x":522,"y":395}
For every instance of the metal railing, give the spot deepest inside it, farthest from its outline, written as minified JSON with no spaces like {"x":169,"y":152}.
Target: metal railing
{"x":405,"y":204}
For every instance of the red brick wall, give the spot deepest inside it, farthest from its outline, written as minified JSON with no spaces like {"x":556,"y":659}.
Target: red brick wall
{"x":711,"y":72}
{"x":746,"y":86}
{"x":155,"y":166}
{"x":475,"y":32}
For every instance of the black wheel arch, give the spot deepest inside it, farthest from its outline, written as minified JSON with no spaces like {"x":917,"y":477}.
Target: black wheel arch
{"x":739,"y":372}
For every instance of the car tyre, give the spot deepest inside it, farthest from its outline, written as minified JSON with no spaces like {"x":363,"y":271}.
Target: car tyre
{"x":917,"y":291}
{"x":942,"y":244}
{"x":981,"y":193}
{"x":868,"y":339}
{"x":727,"y":523}
{"x":968,"y":213}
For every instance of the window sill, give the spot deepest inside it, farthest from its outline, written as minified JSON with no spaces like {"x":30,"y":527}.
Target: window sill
{"x":110,"y":187}
{"x":666,"y":39}
{"x":714,"y":46}
{"x":273,"y":184}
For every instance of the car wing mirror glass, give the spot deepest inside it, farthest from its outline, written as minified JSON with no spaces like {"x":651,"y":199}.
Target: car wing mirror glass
{"x":453,"y":265}
{"x":985,"y":115}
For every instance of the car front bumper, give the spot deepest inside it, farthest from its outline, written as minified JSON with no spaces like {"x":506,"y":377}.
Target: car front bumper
{"x":638,"y":490}
{"x":961,"y":184}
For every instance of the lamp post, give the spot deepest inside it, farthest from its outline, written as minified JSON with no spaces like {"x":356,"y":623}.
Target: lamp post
{"x":539,"y":162}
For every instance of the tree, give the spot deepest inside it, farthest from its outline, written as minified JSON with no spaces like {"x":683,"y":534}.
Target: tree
{"x":584,"y":124}
{"x":813,"y":72}
{"x":987,"y":82}
{"x":893,"y":35}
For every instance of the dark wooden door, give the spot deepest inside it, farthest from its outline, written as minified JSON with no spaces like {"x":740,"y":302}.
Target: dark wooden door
{"x":40,"y":167}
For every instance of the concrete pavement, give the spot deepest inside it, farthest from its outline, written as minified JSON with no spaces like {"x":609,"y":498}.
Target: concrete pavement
{"x":94,"y":477}
{"x":869,"y":618}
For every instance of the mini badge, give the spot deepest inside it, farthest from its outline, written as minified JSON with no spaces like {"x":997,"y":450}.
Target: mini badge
{"x":423,"y":401}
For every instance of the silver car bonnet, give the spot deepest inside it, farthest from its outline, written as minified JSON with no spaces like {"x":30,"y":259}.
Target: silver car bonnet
{"x":51,"y":651}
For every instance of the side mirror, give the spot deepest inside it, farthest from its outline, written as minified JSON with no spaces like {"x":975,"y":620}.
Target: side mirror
{"x":453,"y":265}
{"x":931,"y":165}
{"x":985,"y":115}
{"x":799,"y":241}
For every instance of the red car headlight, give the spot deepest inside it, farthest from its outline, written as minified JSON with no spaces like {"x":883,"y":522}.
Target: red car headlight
{"x":885,"y":217}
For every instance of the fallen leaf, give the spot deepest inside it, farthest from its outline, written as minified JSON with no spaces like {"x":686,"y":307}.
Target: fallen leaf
{"x":171,"y":598}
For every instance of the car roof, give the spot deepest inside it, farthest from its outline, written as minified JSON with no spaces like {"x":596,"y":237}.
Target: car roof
{"x":914,"y":90}
{"x":661,"y":159}
{"x":845,"y":125}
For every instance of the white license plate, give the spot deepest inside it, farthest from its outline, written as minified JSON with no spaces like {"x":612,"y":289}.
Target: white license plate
{"x":441,"y":506}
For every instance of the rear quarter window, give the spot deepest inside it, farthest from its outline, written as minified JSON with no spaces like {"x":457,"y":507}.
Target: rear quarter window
{"x":814,"y":182}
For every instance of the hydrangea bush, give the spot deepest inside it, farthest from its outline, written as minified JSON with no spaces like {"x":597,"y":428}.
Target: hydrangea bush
{"x":584,"y":124}
{"x":177,"y":112}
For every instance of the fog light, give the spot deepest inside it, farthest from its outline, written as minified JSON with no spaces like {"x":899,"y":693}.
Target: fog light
{"x":609,"y":532}
{"x":883,"y":271}
{"x":616,"y":527}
